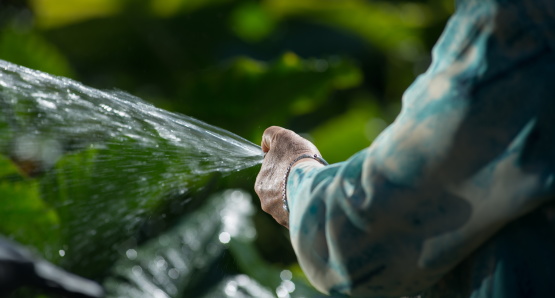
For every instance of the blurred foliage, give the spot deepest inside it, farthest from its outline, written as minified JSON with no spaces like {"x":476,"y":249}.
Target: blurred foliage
{"x":333,"y":71}
{"x":25,"y":206}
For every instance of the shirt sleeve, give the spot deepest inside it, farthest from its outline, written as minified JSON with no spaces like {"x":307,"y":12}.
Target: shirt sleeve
{"x":471,"y":150}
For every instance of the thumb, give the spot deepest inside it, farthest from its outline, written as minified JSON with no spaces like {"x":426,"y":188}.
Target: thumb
{"x":268,"y":137}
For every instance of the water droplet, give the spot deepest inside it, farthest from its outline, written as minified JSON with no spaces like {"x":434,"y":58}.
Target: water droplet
{"x":173,"y":273}
{"x":286,"y":275}
{"x":224,"y":237}
{"x":62,"y":252}
{"x":288,"y":285}
{"x":106,"y":107}
{"x":230,"y":288}
{"x":243,"y":280}
{"x":46,"y":103}
{"x":137,"y":270}
{"x":131,"y":254}
{"x":161,"y":263}
{"x":282,"y":292}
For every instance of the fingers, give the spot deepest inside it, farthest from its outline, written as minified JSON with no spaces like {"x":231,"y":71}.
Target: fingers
{"x":268,"y":136}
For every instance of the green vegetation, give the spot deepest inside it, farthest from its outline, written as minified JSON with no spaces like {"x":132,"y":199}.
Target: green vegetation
{"x":334,"y":71}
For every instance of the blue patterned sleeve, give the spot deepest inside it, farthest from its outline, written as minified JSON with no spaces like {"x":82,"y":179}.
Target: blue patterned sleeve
{"x":472,"y":150}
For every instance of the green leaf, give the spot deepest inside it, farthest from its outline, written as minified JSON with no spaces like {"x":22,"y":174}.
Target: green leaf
{"x":25,"y":47}
{"x":25,"y":216}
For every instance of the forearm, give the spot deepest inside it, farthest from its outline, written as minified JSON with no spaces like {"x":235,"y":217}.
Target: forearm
{"x":357,"y":231}
{"x":362,"y":238}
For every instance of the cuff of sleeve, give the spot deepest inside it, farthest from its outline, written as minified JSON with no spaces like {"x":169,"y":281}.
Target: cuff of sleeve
{"x":300,"y":172}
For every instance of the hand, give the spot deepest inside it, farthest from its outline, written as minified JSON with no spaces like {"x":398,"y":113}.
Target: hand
{"x":281,"y":146}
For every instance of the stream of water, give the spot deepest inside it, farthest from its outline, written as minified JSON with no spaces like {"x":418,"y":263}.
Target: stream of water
{"x":103,"y":161}
{"x":67,"y":115}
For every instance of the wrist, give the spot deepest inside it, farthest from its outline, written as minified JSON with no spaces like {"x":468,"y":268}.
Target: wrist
{"x":314,"y":158}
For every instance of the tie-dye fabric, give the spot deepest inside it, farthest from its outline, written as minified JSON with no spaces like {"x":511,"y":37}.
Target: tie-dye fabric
{"x":447,"y":189}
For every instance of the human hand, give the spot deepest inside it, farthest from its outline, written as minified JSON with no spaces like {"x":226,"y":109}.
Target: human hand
{"x":282,"y":146}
